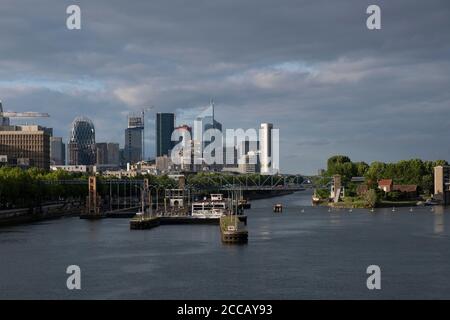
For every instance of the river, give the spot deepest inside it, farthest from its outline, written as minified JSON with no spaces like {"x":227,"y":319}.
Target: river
{"x":303,"y":253}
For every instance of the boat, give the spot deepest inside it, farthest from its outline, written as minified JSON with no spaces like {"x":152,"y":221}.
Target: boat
{"x":430,"y":202}
{"x":315,"y":198}
{"x":233,"y":229}
{"x":212,"y":208}
{"x":278,"y":208}
{"x":244,"y":204}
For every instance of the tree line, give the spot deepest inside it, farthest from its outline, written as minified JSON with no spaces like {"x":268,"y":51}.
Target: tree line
{"x":415,"y":171}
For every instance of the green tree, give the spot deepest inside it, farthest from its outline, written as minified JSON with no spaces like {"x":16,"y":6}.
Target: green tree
{"x":370,"y":198}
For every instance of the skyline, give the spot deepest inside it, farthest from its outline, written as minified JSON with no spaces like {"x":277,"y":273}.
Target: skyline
{"x":330,"y":85}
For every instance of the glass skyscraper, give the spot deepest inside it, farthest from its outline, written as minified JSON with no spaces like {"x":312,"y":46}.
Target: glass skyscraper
{"x":165,"y":124}
{"x":134,"y":139}
{"x":82,"y":142}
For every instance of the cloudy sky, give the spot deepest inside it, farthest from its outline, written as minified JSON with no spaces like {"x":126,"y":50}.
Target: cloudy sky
{"x":310,"y":67}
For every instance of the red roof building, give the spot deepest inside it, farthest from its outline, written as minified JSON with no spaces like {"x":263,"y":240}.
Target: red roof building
{"x":385,"y":185}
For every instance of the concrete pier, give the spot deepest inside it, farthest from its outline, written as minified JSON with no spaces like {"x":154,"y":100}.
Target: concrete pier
{"x":154,"y":221}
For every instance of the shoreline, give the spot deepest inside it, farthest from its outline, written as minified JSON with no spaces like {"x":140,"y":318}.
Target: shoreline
{"x":21,"y":216}
{"x":357,"y":205}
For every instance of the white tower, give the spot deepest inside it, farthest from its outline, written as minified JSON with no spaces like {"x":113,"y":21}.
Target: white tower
{"x":265,"y":141}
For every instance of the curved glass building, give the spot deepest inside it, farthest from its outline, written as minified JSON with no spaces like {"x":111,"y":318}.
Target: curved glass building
{"x":82,"y":142}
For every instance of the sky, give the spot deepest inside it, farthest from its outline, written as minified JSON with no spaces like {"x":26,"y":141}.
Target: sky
{"x":312,"y":68}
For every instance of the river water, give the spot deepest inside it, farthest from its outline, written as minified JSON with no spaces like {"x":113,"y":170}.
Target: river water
{"x":304,"y":253}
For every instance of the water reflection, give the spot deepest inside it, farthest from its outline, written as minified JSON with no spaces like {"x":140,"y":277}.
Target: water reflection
{"x":335,"y":217}
{"x":439,"y":220}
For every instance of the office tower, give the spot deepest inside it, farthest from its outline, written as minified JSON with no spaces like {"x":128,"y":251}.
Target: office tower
{"x":249,"y":164}
{"x":230,"y":156}
{"x":134,"y":140}
{"x":207,"y":121}
{"x":82,"y":142}
{"x":204,"y":122}
{"x":265,"y":143}
{"x":248,"y":148}
{"x":165,"y":123}
{"x":113,"y":154}
{"x":184,"y":159}
{"x":57,"y":151}
{"x":101,"y":153}
{"x":26,"y":146}
{"x":4,"y":121}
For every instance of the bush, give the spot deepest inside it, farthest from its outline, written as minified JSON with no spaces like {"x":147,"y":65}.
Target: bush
{"x":370,"y":198}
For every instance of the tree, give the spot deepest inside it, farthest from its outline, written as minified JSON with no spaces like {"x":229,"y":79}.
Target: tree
{"x":361,"y":168}
{"x":335,"y":161}
{"x":370,"y":198}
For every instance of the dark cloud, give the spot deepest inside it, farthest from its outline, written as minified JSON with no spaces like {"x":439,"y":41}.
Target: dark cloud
{"x":310,"y":67}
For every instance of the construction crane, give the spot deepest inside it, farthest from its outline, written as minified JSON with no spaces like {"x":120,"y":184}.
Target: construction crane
{"x":5,"y":115}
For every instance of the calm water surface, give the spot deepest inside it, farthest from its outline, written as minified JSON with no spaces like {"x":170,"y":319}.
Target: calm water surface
{"x":313,"y":254}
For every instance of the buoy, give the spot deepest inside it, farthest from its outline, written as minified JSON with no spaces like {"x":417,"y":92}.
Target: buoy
{"x":393,"y":209}
{"x":278,"y":208}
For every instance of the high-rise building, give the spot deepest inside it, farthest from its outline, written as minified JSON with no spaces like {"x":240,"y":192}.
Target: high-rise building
{"x":165,"y":123}
{"x":101,"y":153}
{"x":204,"y":122}
{"x":248,"y":163}
{"x":57,"y":151}
{"x":208,"y":121}
{"x":113,"y":154}
{"x":82,"y":142}
{"x":134,"y":140}
{"x":230,"y":156}
{"x":27,"y":146}
{"x":265,"y":143}
{"x":184,"y":160}
{"x":4,"y":121}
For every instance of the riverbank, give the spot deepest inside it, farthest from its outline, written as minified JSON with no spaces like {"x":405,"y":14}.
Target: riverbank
{"x":27,"y":215}
{"x":362,"y":205}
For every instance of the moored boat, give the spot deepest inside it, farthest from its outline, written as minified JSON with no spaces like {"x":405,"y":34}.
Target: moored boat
{"x":244,"y":204}
{"x":214,"y":207}
{"x":233,"y":229}
{"x":278,"y":208}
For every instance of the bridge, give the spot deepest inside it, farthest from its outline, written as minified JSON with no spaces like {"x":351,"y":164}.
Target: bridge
{"x":249,"y":183}
{"x":115,"y":197}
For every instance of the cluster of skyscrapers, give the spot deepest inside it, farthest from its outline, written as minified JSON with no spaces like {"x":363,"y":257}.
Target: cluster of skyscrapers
{"x":36,"y":146}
